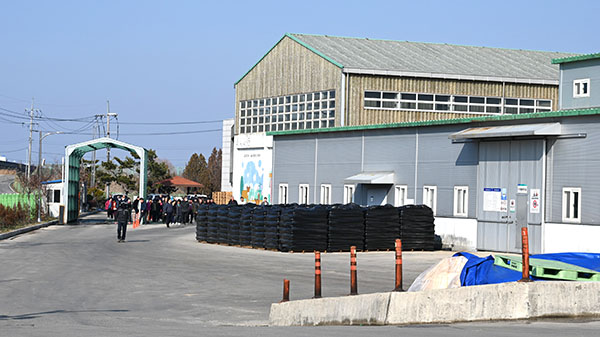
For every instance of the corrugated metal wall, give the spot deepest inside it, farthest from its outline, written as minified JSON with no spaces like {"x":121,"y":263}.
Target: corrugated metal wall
{"x":339,"y":156}
{"x":289,"y":68}
{"x":575,"y":163}
{"x":358,"y":115}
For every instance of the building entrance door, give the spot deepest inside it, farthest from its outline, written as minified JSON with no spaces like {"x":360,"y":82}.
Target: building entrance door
{"x":510,"y":178}
{"x":376,"y":195}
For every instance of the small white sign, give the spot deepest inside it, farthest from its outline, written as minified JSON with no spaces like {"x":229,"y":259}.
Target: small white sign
{"x":522,"y":189}
{"x":512,"y":205}
{"x":492,"y":200}
{"x":534,"y":200}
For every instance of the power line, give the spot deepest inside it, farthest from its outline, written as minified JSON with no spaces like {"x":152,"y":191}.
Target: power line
{"x":154,"y":134}
{"x":13,"y":150}
{"x":172,"y":123}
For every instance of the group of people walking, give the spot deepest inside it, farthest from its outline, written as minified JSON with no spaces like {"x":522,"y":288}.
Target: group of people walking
{"x":166,"y":209}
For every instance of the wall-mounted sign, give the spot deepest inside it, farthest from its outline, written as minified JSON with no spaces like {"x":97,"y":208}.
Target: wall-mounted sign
{"x":512,"y":205}
{"x":522,"y":189}
{"x":534,"y":200}
{"x":492,"y":200}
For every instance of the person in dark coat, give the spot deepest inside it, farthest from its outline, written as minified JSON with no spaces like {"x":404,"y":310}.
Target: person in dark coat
{"x":232,"y":201}
{"x":178,"y":211}
{"x":168,"y":212}
{"x":185,"y":211}
{"x":123,"y":217}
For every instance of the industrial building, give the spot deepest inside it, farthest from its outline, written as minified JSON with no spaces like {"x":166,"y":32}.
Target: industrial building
{"x":482,"y":135}
{"x":308,"y":82}
{"x":484,"y":177}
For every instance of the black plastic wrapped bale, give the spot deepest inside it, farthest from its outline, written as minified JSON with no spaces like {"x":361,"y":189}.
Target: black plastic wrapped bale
{"x":258,"y":227}
{"x":382,"y":227}
{"x":233,"y":233}
{"x":246,"y":224}
{"x":202,"y":223}
{"x":223,"y":223}
{"x":417,"y":229}
{"x":212,"y":228}
{"x":303,"y":228}
{"x":346,"y":227}
{"x":272,"y":227}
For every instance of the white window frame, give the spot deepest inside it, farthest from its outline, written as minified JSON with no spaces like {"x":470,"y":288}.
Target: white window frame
{"x":349,"y":193}
{"x":568,"y":207}
{"x":303,"y":194}
{"x":427,"y":189}
{"x":579,"y":84}
{"x":283,"y":193}
{"x":451,"y":103}
{"x":325,"y":194}
{"x":461,"y":201}
{"x":400,"y":195}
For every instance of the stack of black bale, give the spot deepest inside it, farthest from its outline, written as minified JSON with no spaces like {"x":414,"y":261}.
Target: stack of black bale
{"x":272,"y":227}
{"x":382,"y":227}
{"x":233,"y":231}
{"x":346,"y":227}
{"x":202,"y":222}
{"x":258,"y":227}
{"x":417,"y":228}
{"x":246,"y":224}
{"x":303,"y":228}
{"x":222,"y":223}
{"x":212,"y":228}
{"x":317,"y":227}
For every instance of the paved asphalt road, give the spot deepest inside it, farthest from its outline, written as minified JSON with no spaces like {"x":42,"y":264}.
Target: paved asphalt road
{"x":78,"y":281}
{"x":5,"y":181}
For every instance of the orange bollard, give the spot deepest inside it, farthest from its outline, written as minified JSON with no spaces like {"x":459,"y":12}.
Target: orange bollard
{"x":317,"y":274}
{"x":398,"y":265}
{"x":286,"y":291}
{"x":525,"y":245}
{"x":353,"y":280}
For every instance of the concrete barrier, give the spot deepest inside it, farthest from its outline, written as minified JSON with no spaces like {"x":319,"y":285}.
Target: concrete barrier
{"x":370,"y":309}
{"x":506,"y":301}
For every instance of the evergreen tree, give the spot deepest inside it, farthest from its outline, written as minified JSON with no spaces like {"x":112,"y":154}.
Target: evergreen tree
{"x":158,"y":170}
{"x":214,"y":170}
{"x":195,"y":170}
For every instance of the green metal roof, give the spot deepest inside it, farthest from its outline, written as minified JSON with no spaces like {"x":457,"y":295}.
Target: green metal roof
{"x":576,"y":58}
{"x":537,"y":115}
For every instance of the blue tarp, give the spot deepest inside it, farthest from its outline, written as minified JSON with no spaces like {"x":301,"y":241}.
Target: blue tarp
{"x":481,"y":270}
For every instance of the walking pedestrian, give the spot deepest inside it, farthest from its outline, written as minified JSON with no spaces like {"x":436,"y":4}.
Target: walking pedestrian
{"x":178,"y":212}
{"x":168,"y":213}
{"x":123,"y":217}
{"x":185,"y":210}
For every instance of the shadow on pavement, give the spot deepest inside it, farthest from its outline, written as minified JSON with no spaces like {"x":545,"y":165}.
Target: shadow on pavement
{"x":38,"y":314}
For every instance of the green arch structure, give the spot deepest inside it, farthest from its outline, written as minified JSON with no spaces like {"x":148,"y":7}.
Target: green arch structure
{"x":73,"y":155}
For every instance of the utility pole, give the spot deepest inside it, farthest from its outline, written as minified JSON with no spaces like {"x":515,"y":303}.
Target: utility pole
{"x":30,"y":140}
{"x":39,"y":170}
{"x":108,"y":115}
{"x":93,"y":180}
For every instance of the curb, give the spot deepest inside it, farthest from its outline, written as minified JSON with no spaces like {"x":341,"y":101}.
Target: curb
{"x":32,"y":228}
{"x":28,"y":229}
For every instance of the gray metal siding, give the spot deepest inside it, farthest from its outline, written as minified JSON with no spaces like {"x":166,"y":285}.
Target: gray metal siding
{"x":580,"y":70}
{"x":338,"y":158}
{"x":575,"y":163}
{"x":445,"y":165}
{"x":293,"y":163}
{"x":441,"y":163}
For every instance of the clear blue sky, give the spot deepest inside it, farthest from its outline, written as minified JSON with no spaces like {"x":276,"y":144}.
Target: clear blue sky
{"x":172,"y":61}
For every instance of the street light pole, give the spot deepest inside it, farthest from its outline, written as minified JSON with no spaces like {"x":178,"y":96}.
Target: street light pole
{"x":39,"y":171}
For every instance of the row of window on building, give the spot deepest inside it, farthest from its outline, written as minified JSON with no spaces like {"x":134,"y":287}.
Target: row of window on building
{"x":571,"y":202}
{"x":313,"y":110}
{"x":387,"y":100}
